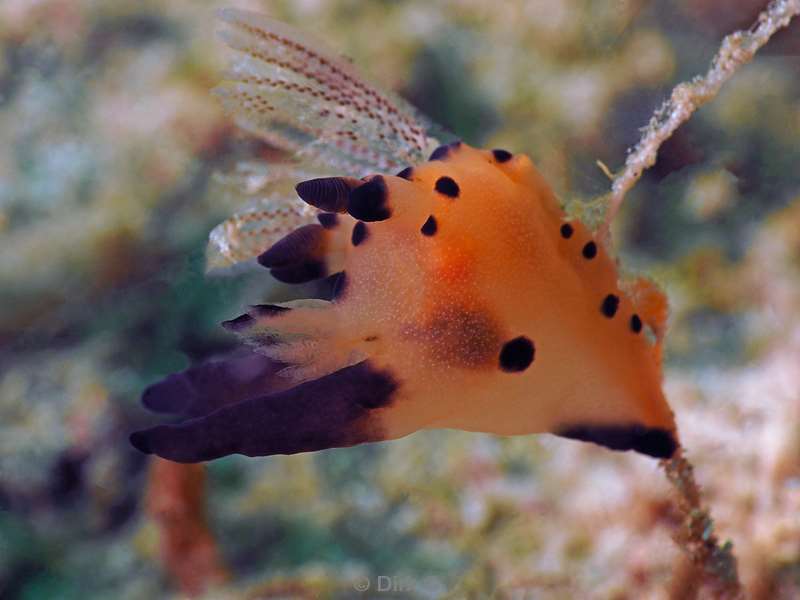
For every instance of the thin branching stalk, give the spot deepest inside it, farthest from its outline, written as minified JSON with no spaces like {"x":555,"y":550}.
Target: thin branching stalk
{"x":737,"y":49}
{"x":695,"y":534}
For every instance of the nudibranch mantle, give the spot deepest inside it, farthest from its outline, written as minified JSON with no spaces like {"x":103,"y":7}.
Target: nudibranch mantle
{"x":467,"y":299}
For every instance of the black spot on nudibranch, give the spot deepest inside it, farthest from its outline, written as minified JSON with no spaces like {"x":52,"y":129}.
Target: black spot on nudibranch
{"x":360,"y":233}
{"x":442,"y":152}
{"x":653,"y":441}
{"x":501,"y":155}
{"x":590,"y":250}
{"x":610,"y":305}
{"x":369,"y":201}
{"x":328,"y":220}
{"x":406,"y":173}
{"x":567,"y":230}
{"x":447,"y":186}
{"x":517,"y":354}
{"x":636,"y":323}
{"x":429,"y":227}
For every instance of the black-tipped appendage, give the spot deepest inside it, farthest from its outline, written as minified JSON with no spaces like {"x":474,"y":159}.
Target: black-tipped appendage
{"x":442,"y":152}
{"x":652,"y":441}
{"x":332,"y":411}
{"x":327,"y":193}
{"x":300,"y":245}
{"x":206,"y":387}
{"x":299,"y":257}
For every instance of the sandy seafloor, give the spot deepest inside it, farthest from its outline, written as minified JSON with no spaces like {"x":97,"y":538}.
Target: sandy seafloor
{"x":109,"y":145}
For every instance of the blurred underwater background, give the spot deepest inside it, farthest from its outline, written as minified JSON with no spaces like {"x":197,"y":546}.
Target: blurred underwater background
{"x":112,"y":160}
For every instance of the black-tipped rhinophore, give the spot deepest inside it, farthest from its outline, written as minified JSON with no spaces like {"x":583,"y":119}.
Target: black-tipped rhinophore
{"x":442,"y":152}
{"x":301,"y":244}
{"x":327,"y":193}
{"x":299,"y":257}
{"x":653,"y":441}
{"x":329,"y":412}
{"x":370,"y":201}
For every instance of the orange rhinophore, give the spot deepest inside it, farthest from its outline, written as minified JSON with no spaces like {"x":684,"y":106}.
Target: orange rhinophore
{"x":466,"y":298}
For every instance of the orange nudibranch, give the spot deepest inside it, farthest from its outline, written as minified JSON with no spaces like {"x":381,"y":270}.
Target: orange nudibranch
{"x":466,"y":299}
